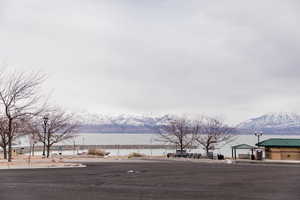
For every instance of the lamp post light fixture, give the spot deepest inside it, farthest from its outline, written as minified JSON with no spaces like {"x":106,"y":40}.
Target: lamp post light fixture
{"x":46,"y":119}
{"x":258,"y":135}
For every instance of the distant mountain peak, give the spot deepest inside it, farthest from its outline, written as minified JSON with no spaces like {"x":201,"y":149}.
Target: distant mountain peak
{"x":276,"y":122}
{"x":124,"y":123}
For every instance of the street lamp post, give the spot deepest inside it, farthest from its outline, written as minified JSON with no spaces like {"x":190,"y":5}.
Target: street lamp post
{"x":259,"y":153}
{"x":151,"y":141}
{"x":258,"y":135}
{"x":46,"y":119}
{"x":33,"y":145}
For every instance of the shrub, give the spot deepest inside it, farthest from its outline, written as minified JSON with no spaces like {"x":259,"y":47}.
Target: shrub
{"x":97,"y":152}
{"x":135,"y":155}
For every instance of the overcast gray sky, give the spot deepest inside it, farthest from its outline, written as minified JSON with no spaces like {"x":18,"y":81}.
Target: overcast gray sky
{"x":236,"y":59}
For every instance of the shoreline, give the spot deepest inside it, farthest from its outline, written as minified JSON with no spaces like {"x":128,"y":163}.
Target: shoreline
{"x":79,"y":161}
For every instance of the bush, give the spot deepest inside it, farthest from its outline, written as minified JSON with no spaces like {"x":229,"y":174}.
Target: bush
{"x":135,"y":155}
{"x":97,"y":152}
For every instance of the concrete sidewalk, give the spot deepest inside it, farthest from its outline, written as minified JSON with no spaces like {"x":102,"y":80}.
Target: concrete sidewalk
{"x":229,"y":161}
{"x":37,"y":164}
{"x":286,"y":162}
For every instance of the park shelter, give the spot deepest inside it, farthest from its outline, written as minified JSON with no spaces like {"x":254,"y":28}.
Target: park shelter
{"x":242,"y":146}
{"x":281,"y":149}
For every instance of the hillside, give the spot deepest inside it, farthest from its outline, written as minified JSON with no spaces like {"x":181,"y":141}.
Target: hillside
{"x":121,"y":123}
{"x":272,"y":123}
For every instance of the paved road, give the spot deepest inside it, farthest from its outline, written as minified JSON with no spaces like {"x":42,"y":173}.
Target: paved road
{"x":160,"y":181}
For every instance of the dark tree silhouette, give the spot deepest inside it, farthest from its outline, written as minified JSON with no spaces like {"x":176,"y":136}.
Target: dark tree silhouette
{"x":18,"y":95}
{"x":212,"y":132}
{"x":180,"y":132}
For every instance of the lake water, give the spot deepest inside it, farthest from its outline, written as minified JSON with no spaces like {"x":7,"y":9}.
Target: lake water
{"x":148,"y":139}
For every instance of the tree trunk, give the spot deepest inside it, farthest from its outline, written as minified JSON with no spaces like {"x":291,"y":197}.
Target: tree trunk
{"x":9,"y":149}
{"x":181,"y":144}
{"x":5,"y":152}
{"x":33,"y":149}
{"x":10,"y":139}
{"x":44,"y":149}
{"x":30,"y":151}
{"x":207,"y":149}
{"x":48,"y":151}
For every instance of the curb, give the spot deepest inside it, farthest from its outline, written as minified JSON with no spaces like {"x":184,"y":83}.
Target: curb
{"x":42,"y":167}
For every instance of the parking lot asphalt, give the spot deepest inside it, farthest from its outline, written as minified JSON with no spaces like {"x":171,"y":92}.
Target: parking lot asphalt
{"x":153,"y":180}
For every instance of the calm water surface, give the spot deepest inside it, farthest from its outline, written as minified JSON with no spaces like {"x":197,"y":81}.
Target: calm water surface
{"x":148,"y":139}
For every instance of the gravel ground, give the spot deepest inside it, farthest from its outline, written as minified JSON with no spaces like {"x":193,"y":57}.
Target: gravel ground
{"x":153,"y":180}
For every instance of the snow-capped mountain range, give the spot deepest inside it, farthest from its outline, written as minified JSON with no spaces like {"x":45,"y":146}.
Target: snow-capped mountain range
{"x":93,"y":123}
{"x":271,"y":123}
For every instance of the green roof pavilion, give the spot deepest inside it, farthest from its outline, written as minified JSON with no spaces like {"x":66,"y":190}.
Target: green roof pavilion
{"x":280,"y":142}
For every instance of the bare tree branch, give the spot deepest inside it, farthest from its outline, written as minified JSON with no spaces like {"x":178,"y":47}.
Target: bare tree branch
{"x":213,"y":132}
{"x":19,"y":97}
{"x":180,"y":132}
{"x":60,"y":126}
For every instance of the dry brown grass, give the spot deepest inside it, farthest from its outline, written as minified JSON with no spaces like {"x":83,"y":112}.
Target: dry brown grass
{"x":97,"y":152}
{"x":136,"y":155}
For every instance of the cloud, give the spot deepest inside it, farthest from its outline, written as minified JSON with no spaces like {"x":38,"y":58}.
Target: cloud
{"x":228,"y":58}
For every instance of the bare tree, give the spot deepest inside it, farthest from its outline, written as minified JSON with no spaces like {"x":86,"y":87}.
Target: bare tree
{"x":212,"y":132}
{"x":3,"y":135}
{"x":180,"y":132}
{"x":18,"y":95}
{"x":60,"y":126}
{"x":19,"y":128}
{"x":30,"y":129}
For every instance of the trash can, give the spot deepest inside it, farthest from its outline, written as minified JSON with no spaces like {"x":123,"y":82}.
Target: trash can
{"x":220,"y":157}
{"x":210,"y":155}
{"x":259,"y":155}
